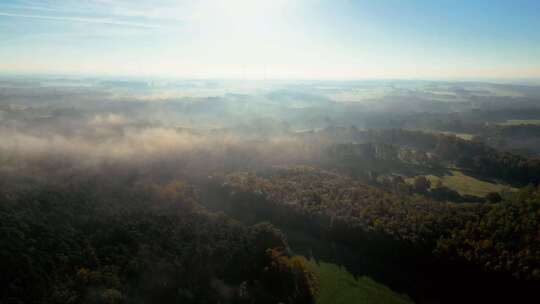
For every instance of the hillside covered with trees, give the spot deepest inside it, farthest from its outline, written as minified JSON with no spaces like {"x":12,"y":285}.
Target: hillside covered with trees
{"x":111,"y":238}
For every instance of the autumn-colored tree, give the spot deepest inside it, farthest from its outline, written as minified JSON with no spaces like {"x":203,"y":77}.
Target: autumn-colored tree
{"x":285,"y":276}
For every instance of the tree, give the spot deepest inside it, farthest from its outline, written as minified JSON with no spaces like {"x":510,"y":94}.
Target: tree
{"x":421,"y":184}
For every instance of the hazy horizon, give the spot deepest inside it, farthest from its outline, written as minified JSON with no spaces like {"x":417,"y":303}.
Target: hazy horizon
{"x":240,"y":39}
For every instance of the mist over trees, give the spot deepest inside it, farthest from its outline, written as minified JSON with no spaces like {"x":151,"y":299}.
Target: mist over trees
{"x":115,"y":191}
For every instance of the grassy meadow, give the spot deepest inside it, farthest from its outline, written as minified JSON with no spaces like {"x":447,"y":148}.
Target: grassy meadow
{"x":338,"y":286}
{"x":516,"y":122}
{"x":465,"y":184}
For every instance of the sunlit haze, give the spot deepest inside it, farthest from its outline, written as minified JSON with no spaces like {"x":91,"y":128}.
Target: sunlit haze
{"x":313,"y":39}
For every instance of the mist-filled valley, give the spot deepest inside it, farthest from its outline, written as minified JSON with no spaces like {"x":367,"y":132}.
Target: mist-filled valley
{"x":123,"y":190}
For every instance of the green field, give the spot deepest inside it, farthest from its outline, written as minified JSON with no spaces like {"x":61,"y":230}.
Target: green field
{"x":516,"y":122}
{"x":339,"y":286}
{"x":465,"y":184}
{"x":465,"y":136}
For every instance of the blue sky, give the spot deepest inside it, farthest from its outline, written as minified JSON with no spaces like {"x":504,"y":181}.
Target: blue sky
{"x":339,"y":39}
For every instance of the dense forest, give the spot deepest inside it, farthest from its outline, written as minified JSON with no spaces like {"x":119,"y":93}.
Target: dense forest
{"x":478,"y":233}
{"x":429,"y":149}
{"x":110,"y":237}
{"x":427,"y":237}
{"x":118,"y":193}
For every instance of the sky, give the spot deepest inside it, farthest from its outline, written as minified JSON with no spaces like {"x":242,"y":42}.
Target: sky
{"x":310,"y":39}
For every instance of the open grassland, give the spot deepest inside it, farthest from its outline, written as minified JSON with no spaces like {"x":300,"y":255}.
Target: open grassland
{"x":516,"y":122}
{"x":465,"y":136}
{"x":465,"y":184}
{"x":339,"y":286}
